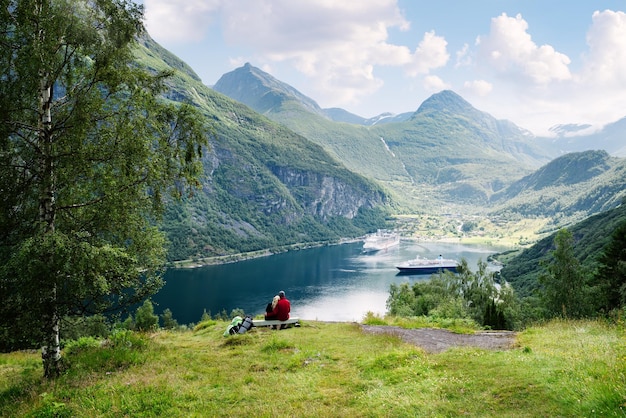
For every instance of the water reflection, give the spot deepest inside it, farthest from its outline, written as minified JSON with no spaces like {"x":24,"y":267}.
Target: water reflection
{"x":336,"y":283}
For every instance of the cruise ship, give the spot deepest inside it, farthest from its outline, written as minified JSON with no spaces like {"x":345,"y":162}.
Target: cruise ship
{"x":428,"y":266}
{"x":381,"y":240}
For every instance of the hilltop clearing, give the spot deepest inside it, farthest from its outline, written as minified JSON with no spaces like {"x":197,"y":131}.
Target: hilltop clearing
{"x":573,"y":368}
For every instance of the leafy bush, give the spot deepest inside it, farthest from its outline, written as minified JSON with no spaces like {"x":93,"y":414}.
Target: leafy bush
{"x":74,"y":328}
{"x":168,"y":319}
{"x":81,"y":344}
{"x":126,"y":339}
{"x":145,"y":319}
{"x":466,"y":295}
{"x":372,"y":319}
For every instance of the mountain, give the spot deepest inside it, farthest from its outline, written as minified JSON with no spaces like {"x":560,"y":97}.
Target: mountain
{"x":264,"y":185}
{"x":568,"y":188}
{"x":293,"y":175}
{"x":262,"y":92}
{"x":446,"y":149}
{"x":466,"y":154}
{"x":611,"y":138}
{"x":352,"y":144}
{"x":388,"y":118}
{"x":590,"y":239}
{"x":341,"y":115}
{"x":268,"y":95}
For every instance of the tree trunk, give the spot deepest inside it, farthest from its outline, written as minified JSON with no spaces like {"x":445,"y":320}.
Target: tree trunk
{"x":51,"y":350}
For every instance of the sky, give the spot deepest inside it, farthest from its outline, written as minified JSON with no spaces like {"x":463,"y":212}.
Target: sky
{"x":537,"y":63}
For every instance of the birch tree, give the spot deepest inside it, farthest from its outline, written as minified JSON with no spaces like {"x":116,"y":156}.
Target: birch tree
{"x":88,"y":151}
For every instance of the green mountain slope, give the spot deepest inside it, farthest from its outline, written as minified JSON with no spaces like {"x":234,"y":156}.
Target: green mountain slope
{"x":590,"y":238}
{"x":264,"y":185}
{"x":447,"y":150}
{"x":567,"y":189}
{"x":354,"y":145}
{"x":466,"y":154}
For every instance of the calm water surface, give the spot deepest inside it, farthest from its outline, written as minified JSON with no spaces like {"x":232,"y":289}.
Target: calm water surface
{"x":336,"y":283}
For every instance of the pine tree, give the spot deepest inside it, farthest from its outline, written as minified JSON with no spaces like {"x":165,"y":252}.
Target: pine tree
{"x":611,"y":276}
{"x":145,"y":319}
{"x":564,"y":286}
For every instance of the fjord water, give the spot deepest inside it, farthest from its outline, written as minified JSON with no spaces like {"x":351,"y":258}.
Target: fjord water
{"x":334,"y":283}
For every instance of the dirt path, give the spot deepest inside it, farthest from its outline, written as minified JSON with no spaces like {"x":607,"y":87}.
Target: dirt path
{"x":438,"y":340}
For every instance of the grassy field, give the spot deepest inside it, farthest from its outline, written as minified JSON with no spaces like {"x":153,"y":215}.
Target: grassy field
{"x":324,"y":369}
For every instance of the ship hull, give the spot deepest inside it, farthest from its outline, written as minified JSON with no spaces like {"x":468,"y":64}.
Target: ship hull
{"x":425,"y":270}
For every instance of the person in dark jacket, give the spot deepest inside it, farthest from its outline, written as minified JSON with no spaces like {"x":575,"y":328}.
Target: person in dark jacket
{"x":282,"y":309}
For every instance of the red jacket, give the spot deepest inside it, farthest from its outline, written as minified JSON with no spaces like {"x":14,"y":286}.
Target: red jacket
{"x":282,"y":309}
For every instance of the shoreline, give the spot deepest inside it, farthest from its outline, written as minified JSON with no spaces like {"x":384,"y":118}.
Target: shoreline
{"x":234,"y":258}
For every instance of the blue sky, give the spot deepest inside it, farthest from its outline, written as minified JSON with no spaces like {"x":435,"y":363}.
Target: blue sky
{"x":538,"y":63}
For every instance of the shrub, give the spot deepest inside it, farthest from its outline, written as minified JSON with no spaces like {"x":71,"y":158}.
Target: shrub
{"x":145,"y":319}
{"x":81,"y":344}
{"x":168,"y":319}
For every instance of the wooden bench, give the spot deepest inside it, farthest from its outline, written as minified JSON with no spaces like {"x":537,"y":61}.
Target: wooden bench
{"x":273,"y":322}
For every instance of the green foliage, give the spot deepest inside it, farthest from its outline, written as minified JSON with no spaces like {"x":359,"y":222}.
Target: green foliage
{"x":74,"y":328}
{"x":560,"y":368}
{"x":88,"y":152}
{"x":590,"y":238}
{"x":122,"y":349}
{"x":205,"y":316}
{"x":168,"y":319}
{"x":466,"y":295}
{"x":50,"y":408}
{"x":610,"y":278}
{"x":373,"y":319}
{"x":581,"y":278}
{"x":145,"y":319}
{"x":237,"y":312}
{"x":128,"y":323}
{"x":567,"y":189}
{"x":81,"y":344}
{"x":456,"y":325}
{"x":126,"y":339}
{"x":564,"y":288}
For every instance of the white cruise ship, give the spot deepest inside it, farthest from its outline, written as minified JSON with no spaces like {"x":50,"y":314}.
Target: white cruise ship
{"x":381,"y":240}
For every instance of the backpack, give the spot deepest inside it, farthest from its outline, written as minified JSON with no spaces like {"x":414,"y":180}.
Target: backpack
{"x":246,"y":325}
{"x":239,"y":326}
{"x":233,"y":327}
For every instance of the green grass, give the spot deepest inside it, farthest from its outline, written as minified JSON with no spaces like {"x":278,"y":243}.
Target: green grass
{"x":325,"y":369}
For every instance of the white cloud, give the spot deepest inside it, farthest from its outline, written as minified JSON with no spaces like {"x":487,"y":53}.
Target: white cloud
{"x":606,"y":59}
{"x":287,"y":26}
{"x":462,"y":57}
{"x":336,"y":45}
{"x":434,"y":84}
{"x":179,"y":20}
{"x":509,"y":50}
{"x":339,"y":52}
{"x":431,"y":53}
{"x":478,"y":87}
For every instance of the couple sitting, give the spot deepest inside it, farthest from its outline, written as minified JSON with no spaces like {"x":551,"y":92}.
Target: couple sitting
{"x":279,"y":308}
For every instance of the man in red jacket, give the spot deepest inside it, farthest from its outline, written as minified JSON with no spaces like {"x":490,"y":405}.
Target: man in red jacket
{"x":282,"y":309}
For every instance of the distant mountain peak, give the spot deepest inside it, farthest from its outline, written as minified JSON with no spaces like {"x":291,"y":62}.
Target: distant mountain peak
{"x":261,"y":91}
{"x":445,"y":101}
